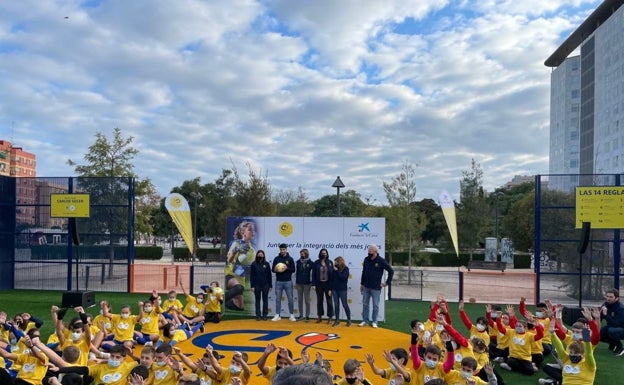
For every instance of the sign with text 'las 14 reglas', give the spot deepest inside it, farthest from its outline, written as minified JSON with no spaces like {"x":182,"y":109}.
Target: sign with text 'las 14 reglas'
{"x":602,"y":206}
{"x":69,"y":205}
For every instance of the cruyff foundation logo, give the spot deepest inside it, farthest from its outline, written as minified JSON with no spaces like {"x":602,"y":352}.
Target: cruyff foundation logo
{"x":257,"y":339}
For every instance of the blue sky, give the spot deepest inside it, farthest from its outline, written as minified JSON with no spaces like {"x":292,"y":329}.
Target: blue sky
{"x":301,"y":91}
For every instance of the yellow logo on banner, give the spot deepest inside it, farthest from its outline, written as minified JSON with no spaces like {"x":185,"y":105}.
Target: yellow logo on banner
{"x":69,"y":205}
{"x":285,"y":229}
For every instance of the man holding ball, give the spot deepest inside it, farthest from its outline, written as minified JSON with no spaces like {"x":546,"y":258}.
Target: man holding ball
{"x":283,"y":267}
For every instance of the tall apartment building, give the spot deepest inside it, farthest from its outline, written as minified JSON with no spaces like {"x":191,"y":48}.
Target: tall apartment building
{"x":587,"y":98}
{"x":17,"y":163}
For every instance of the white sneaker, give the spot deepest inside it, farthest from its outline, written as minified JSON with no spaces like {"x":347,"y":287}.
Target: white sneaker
{"x":292,"y":318}
{"x":374,"y":324}
{"x":545,"y":381}
{"x":276,"y":318}
{"x":363,"y":323}
{"x":149,"y":343}
{"x":499,"y":359}
{"x":505,"y":366}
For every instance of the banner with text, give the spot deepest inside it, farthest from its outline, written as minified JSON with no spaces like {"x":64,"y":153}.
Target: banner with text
{"x":346,"y":237}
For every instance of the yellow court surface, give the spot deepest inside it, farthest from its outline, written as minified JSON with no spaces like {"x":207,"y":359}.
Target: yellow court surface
{"x":336,"y":344}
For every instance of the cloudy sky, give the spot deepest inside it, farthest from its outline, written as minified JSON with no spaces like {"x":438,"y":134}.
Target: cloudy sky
{"x":301,"y":90}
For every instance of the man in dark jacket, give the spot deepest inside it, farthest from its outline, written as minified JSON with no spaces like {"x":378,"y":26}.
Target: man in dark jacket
{"x":283,"y":282}
{"x":612,"y":311}
{"x":370,"y":283}
{"x":303,"y":282}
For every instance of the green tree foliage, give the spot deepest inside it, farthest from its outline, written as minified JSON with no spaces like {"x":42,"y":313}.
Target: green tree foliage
{"x":404,"y":222}
{"x":289,"y":203}
{"x":473,"y":210}
{"x":252,"y":196}
{"x":436,"y":224}
{"x":113,"y":158}
{"x":519,"y":222}
{"x":351,"y":205}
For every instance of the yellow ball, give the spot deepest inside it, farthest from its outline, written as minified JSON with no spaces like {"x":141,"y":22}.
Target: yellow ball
{"x":281,"y":267}
{"x":217,"y":291}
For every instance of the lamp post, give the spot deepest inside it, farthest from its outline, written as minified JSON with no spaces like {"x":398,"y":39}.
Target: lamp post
{"x":496,"y":224}
{"x":338,"y":185}
{"x":197,"y":196}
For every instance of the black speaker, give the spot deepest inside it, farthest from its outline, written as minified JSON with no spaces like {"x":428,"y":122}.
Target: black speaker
{"x":571,"y":314}
{"x":585,"y":233}
{"x":78,"y":298}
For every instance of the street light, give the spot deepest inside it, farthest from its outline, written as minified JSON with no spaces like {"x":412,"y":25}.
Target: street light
{"x":338,"y":185}
{"x":197,"y":196}
{"x":497,"y":232}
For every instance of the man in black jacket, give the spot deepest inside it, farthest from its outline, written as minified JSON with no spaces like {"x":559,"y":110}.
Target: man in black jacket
{"x":612,"y":311}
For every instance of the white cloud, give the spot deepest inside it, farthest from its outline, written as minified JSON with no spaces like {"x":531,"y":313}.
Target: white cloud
{"x":303,"y":91}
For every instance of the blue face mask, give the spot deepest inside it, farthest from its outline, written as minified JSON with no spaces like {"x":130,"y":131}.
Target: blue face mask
{"x":235,"y":369}
{"x":466,"y":375}
{"x":539,"y":314}
{"x":430,"y":363}
{"x":113,"y":364}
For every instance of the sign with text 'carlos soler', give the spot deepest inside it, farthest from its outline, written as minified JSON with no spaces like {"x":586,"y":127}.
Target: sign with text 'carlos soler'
{"x":602,"y":206}
{"x":69,"y":205}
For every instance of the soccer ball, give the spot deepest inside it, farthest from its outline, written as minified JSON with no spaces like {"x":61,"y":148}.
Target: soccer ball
{"x":217,"y":291}
{"x":281,"y":267}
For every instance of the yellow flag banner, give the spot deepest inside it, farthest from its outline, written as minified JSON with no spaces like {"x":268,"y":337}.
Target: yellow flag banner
{"x":448,"y":209}
{"x":180,"y":212}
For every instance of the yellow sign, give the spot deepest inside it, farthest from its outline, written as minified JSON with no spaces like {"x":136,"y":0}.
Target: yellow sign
{"x":602,"y":206}
{"x":285,"y":229}
{"x":69,"y":205}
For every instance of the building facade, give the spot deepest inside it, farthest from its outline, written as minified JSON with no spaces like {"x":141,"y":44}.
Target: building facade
{"x":17,"y":163}
{"x":587,"y":99}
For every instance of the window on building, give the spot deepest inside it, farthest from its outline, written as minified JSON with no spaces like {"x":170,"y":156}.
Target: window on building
{"x":574,"y":94}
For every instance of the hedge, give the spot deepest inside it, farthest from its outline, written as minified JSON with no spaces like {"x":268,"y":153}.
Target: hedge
{"x":210,"y":254}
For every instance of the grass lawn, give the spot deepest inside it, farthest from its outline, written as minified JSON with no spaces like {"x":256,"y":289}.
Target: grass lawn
{"x":398,"y":316}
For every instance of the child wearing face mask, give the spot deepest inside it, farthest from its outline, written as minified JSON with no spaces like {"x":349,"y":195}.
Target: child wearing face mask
{"x":397,"y":358}
{"x":283,"y":359}
{"x":113,"y":372}
{"x":480,"y":329}
{"x":78,"y":334}
{"x":123,"y":328}
{"x":193,"y":312}
{"x":202,"y":367}
{"x":578,"y":362}
{"x":432,"y":367}
{"x":149,"y":313}
{"x":354,"y":374}
{"x":467,"y":374}
{"x":238,"y":368}
{"x":32,"y":363}
{"x":173,"y":307}
{"x":542,"y":315}
{"x":520,"y":342}
{"x":461,"y":347}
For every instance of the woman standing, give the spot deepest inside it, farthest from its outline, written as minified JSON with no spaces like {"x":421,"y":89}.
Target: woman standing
{"x":261,"y":284}
{"x":339,"y":280}
{"x":321,"y":279}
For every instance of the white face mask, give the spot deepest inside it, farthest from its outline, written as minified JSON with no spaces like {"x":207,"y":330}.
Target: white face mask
{"x":480,"y":327}
{"x":76,"y":336}
{"x":200,"y":300}
{"x":125,"y":315}
{"x":430,"y":363}
{"x":466,"y":375}
{"x":147,"y":309}
{"x":439,"y":327}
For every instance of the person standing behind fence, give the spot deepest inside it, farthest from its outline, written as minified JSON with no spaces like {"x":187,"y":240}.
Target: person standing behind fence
{"x":370,"y":283}
{"x":321,"y":281}
{"x":339,"y":285}
{"x":261,"y":284}
{"x":303,"y":282}
{"x":283,"y":282}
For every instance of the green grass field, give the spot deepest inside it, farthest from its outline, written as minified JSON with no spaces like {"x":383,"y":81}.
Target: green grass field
{"x":398,"y":316}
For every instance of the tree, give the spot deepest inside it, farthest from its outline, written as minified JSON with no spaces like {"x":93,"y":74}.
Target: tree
{"x":436,"y":224}
{"x":251,"y":197}
{"x":351,"y":205}
{"x":113,"y":159}
{"x":291,"y":203}
{"x":473,"y":210}
{"x":404,"y":223}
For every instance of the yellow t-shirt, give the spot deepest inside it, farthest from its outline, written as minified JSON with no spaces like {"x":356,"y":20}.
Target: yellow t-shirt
{"x":214,"y":303}
{"x":164,"y":375}
{"x":83,"y":345}
{"x":192,"y":308}
{"x":123,"y":328}
{"x":149,"y":323}
{"x":423,"y":374}
{"x":104,"y":374}
{"x":175,"y":304}
{"x":454,"y":377}
{"x":520,"y":344}
{"x":108,"y":323}
{"x":582,"y":373}
{"x":226,"y":377}
{"x":32,"y":369}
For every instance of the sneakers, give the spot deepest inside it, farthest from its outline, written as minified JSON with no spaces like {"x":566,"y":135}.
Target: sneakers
{"x":276,"y":318}
{"x":292,"y":318}
{"x":505,"y":366}
{"x":363,"y":323}
{"x":499,"y":359}
{"x":618,"y":351}
{"x":349,"y":323}
{"x":374,"y":324}
{"x":149,"y":343}
{"x":545,"y":381}
{"x":336,"y":323}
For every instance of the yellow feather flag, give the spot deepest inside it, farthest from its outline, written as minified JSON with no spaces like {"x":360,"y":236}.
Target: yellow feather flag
{"x":448,"y":209}
{"x":180,"y":212}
